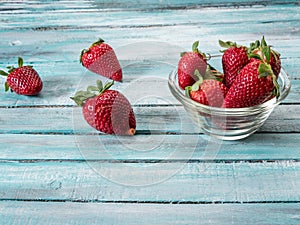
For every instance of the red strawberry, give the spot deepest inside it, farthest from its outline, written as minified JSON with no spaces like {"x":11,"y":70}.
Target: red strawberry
{"x":108,"y":111}
{"x":255,"y":84}
{"x":188,"y":64}
{"x":100,"y":58}
{"x":23,"y":80}
{"x":234,"y":58}
{"x":208,"y":92}
{"x":263,"y":51}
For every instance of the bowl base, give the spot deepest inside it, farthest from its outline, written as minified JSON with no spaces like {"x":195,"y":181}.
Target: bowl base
{"x":228,"y":136}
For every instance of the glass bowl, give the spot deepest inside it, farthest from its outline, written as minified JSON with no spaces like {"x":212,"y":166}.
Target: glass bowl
{"x":229,"y":123}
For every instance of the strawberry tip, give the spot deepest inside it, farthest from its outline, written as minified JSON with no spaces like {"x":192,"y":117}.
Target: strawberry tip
{"x":131,"y":131}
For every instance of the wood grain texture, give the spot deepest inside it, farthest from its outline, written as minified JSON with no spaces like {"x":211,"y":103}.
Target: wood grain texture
{"x":259,"y":147}
{"x":35,"y":213}
{"x":150,"y":119}
{"x":57,"y":92}
{"x":102,"y":181}
{"x":55,"y":169}
{"x":56,"y":32}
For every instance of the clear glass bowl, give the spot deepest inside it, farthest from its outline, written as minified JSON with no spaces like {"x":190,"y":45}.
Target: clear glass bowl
{"x":229,"y":123}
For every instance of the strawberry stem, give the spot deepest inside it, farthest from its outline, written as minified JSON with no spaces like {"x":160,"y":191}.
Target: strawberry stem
{"x":276,"y":90}
{"x":196,"y":50}
{"x":82,"y":53}
{"x":265,"y":70}
{"x":187,"y":91}
{"x":20,"y":62}
{"x":106,"y":87}
{"x":195,"y":46}
{"x":99,"y":84}
{"x":3,"y":73}
{"x":196,"y":85}
{"x":255,"y":56}
{"x":265,"y":49}
{"x":81,"y":97}
{"x":6,"y":86}
{"x":253,"y":46}
{"x":100,"y":41}
{"x":213,"y":74}
{"x":229,"y":44}
{"x":263,"y":42}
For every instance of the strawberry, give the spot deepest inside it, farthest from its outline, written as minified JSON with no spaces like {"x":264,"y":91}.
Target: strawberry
{"x":188,"y":64}
{"x":23,"y":80}
{"x":234,"y":58}
{"x":100,"y":58}
{"x":106,"y":110}
{"x":209,"y":92}
{"x":255,"y":84}
{"x":263,"y":51}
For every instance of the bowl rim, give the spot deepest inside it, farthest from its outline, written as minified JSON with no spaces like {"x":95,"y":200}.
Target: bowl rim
{"x":285,"y":87}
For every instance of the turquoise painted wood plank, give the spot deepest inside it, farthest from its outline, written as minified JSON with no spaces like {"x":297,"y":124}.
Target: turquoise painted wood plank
{"x":159,"y":119}
{"x":35,"y":213}
{"x":65,"y":46}
{"x":38,"y":6}
{"x":150,"y":55}
{"x":59,"y":88}
{"x":137,"y":18}
{"x":151,"y":147}
{"x":162,"y":182}
{"x":224,"y":23}
{"x":261,"y":169}
{"x":50,"y":52}
{"x":158,"y":27}
{"x":161,"y":54}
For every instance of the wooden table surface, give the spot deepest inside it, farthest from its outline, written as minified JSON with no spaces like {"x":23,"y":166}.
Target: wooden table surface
{"x":55,"y":169}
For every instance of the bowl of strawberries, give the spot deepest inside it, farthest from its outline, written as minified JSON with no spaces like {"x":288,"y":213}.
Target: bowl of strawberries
{"x":230,"y":96}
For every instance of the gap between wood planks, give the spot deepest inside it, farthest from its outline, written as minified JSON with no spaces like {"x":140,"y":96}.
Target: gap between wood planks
{"x":151,"y":202}
{"x":150,"y":161}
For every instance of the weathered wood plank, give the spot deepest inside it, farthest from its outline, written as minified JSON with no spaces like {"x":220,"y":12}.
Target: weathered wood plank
{"x":159,"y":26}
{"x":134,"y":179}
{"x":56,"y":32}
{"x":35,"y":213}
{"x":144,"y":87}
{"x":66,"y":6}
{"x":150,"y":119}
{"x":58,"y":20}
{"x":55,"y":49}
{"x":150,"y":147}
{"x":163,"y":182}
